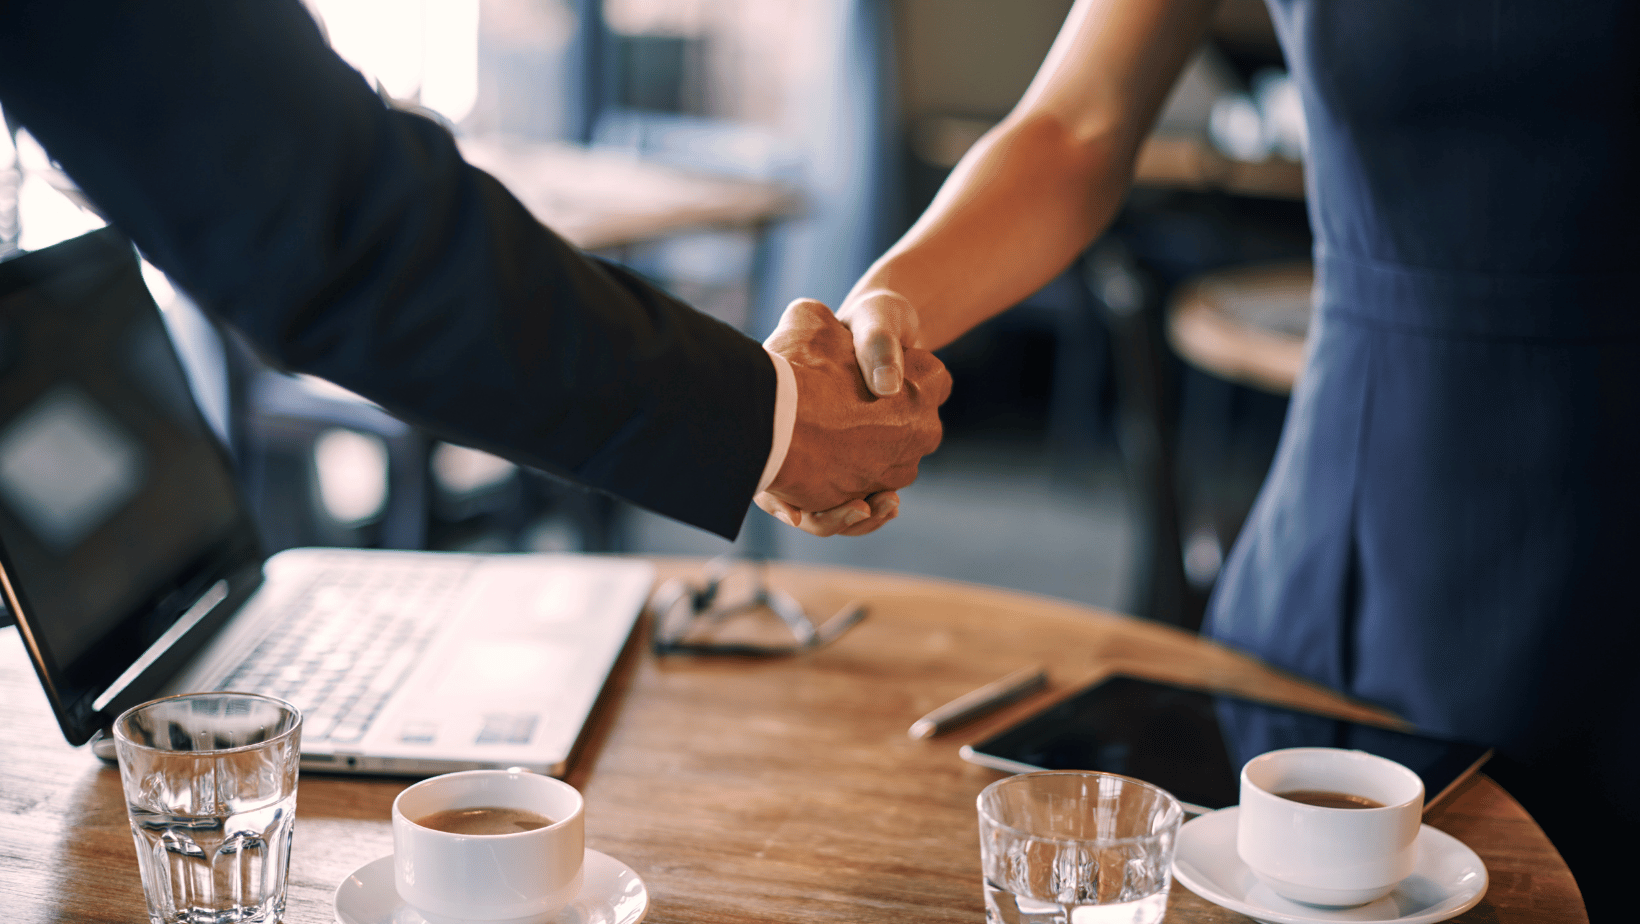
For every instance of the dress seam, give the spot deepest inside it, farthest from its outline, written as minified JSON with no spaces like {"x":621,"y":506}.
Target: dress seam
{"x":1322,"y":254}
{"x":1349,"y":590}
{"x":1433,"y":332}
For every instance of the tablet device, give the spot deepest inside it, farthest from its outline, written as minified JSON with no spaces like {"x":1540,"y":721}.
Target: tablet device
{"x":1193,"y":743}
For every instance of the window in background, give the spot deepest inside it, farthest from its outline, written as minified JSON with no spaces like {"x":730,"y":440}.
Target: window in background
{"x":423,"y":51}
{"x":529,"y":80}
{"x":748,"y":61}
{"x":11,"y":177}
{"x":48,"y":207}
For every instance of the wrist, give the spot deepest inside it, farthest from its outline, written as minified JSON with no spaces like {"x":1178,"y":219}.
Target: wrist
{"x":785,"y":419}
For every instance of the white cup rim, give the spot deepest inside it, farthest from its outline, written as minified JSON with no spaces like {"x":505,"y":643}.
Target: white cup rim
{"x":445,"y":778}
{"x":1405,"y":773}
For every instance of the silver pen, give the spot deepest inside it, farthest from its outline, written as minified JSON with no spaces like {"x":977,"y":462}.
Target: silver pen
{"x":982,"y":701}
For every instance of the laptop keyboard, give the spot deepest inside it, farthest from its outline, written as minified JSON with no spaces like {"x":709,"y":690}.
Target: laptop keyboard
{"x":348,"y":641}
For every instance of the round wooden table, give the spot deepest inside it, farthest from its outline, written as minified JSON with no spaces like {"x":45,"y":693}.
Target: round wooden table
{"x":746,"y":790}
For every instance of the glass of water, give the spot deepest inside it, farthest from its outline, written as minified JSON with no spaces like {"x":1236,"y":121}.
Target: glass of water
{"x":1075,"y":847}
{"x":210,"y":785}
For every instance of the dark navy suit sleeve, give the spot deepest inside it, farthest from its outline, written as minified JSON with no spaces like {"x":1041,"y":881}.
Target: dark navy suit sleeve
{"x":350,"y":241}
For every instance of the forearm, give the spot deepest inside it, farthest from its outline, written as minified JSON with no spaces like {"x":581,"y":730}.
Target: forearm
{"x":1015,"y":212}
{"x":350,"y":241}
{"x":1037,"y":189}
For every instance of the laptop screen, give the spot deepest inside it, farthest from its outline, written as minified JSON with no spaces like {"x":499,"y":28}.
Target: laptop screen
{"x":117,"y":505}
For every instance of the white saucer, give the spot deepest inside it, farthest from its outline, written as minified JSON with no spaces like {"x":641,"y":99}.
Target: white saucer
{"x":611,"y":893}
{"x":1447,"y":879}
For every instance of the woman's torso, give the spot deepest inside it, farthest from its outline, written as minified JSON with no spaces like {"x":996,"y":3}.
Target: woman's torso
{"x":1454,"y":504}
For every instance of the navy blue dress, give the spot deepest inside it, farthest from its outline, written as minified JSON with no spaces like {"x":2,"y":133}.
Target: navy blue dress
{"x":1451,"y":527}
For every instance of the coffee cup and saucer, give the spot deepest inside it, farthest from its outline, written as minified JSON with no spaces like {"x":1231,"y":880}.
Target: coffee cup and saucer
{"x":491,"y":847}
{"x":1327,"y":835}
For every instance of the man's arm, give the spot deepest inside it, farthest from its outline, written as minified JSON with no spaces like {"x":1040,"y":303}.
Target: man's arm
{"x":351,"y":241}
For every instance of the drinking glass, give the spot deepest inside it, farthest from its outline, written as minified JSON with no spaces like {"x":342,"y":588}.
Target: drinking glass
{"x":210,"y":786}
{"x":1074,"y":847}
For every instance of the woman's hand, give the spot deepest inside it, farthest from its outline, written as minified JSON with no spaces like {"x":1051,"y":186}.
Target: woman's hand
{"x":884,"y":325}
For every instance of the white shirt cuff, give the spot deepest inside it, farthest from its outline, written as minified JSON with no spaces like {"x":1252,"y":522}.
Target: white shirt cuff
{"x":785,"y":418}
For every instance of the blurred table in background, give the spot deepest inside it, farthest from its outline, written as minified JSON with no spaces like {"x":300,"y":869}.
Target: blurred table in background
{"x":1246,"y":325}
{"x":601,"y":200}
{"x":1166,"y":160}
{"x":1191,"y":162}
{"x":748,"y":790}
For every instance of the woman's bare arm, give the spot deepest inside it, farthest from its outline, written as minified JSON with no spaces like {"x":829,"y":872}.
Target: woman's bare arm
{"x":1017,"y":209}
{"x":1021,"y":204}
{"x":1035,"y":190}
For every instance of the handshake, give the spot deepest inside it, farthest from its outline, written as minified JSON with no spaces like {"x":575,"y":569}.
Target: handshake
{"x":854,"y":444}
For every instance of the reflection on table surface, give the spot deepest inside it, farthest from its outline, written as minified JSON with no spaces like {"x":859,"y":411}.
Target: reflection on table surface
{"x":747,"y":789}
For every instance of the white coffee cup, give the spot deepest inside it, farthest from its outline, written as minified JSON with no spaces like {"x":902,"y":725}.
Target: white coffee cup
{"x":1321,"y":855}
{"x":525,"y":877}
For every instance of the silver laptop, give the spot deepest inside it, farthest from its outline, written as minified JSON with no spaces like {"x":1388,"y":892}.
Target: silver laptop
{"x":133,"y":569}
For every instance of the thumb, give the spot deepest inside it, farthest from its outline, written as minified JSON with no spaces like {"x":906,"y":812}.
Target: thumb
{"x":881,"y":360}
{"x":883,"y":323}
{"x":879,"y":355}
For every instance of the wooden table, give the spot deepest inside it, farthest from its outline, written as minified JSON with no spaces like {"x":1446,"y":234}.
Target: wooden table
{"x":747,"y":791}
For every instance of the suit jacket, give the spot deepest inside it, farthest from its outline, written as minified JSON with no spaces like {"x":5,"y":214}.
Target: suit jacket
{"x":349,"y":240}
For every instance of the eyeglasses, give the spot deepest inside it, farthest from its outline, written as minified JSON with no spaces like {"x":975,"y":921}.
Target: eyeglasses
{"x":690,"y":619}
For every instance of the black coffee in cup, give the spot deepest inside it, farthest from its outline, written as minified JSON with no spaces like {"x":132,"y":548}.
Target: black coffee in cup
{"x":484,"y":819}
{"x":1325,"y":798}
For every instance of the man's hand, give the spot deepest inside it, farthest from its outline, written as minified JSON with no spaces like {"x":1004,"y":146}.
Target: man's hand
{"x":850,"y":449}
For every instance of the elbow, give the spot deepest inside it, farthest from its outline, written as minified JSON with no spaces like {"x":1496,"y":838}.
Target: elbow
{"x":1081,"y":153}
{"x":1068,"y":163}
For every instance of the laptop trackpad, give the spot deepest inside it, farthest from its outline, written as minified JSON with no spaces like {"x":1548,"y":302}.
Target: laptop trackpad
{"x":522,"y":667}
{"x":515,"y":667}
{"x":492,"y":692}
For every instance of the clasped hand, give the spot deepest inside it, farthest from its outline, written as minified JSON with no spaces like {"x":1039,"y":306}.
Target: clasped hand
{"x":853,"y":445}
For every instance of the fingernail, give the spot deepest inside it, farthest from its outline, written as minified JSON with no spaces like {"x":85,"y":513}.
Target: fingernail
{"x":854,"y":516}
{"x":884,"y":381}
